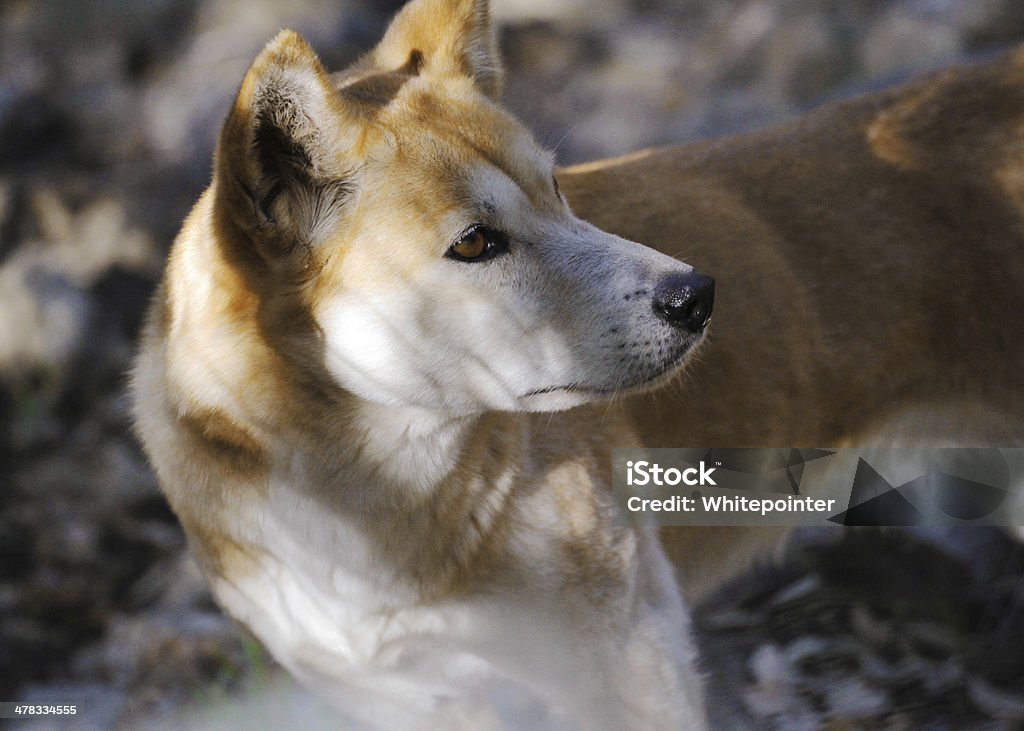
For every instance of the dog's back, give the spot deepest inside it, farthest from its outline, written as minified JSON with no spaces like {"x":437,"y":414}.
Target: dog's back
{"x":871,"y":260}
{"x":873,"y":253}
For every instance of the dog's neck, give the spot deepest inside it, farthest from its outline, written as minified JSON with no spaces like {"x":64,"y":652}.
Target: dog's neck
{"x":415,"y":449}
{"x":432,"y":488}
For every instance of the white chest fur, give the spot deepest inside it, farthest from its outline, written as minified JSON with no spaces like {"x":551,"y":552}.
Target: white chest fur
{"x":334,"y":613}
{"x":329,"y":595}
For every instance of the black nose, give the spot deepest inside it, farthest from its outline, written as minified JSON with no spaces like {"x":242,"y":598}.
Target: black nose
{"x":685,"y":300}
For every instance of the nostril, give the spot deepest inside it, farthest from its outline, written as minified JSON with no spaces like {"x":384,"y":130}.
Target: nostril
{"x":685,"y":300}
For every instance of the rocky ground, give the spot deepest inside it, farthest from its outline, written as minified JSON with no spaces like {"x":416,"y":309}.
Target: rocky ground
{"x":108,"y":113}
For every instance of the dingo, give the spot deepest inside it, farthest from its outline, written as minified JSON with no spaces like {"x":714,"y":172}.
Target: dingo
{"x":359,"y":379}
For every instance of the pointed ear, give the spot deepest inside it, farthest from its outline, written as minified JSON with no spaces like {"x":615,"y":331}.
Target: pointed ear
{"x":443,"y":37}
{"x":282,"y":165}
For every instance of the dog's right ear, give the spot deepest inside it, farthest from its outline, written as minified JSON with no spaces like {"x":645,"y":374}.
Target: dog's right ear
{"x":283,"y":166}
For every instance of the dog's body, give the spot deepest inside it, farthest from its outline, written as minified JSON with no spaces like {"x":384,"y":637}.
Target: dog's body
{"x":340,"y":381}
{"x":879,"y":247}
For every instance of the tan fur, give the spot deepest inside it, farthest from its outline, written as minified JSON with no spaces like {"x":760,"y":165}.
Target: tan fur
{"x":867,"y":259}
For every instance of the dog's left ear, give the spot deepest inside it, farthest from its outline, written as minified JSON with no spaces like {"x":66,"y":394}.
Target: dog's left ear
{"x":443,"y":37}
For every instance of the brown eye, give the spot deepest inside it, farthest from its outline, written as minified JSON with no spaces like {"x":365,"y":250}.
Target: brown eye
{"x":471,"y":246}
{"x":477,"y":244}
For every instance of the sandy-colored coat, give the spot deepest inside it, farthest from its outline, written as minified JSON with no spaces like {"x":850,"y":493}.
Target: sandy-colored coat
{"x":356,"y":431}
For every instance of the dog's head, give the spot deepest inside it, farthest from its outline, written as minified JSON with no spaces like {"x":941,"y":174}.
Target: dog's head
{"x":423,"y":231}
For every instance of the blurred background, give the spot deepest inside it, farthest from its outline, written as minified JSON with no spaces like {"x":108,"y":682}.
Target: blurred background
{"x":108,"y":115}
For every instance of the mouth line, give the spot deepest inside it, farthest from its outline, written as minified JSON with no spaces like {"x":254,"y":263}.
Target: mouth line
{"x":571,"y":388}
{"x":599,"y":391}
